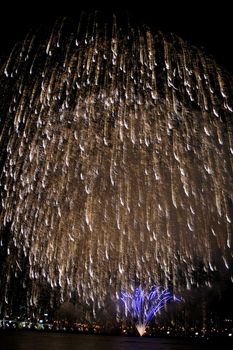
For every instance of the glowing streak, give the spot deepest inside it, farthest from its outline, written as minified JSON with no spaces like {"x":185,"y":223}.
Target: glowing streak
{"x":116,"y":160}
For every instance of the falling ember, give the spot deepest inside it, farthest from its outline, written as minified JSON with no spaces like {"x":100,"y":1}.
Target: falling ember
{"x":116,"y":163}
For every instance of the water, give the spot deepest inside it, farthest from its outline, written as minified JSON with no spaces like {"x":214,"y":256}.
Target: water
{"x":39,"y":341}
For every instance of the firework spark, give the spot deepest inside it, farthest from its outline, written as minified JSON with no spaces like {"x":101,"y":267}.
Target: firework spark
{"x":116,"y":162}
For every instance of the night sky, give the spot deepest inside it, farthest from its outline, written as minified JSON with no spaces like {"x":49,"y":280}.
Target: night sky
{"x":207,"y":26}
{"x":203,"y":23}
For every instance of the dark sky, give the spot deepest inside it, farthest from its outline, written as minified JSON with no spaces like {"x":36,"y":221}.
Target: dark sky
{"x":202,"y":23}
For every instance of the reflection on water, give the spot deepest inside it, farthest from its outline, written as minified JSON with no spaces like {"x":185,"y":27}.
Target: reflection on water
{"x":58,"y":341}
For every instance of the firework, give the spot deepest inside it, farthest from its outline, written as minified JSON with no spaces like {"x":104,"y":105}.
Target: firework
{"x":144,"y":306}
{"x":116,"y":163}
